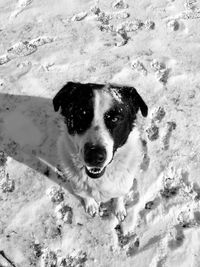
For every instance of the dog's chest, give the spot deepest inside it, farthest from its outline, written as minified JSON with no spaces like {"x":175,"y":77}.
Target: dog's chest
{"x":119,"y":174}
{"x":116,"y":182}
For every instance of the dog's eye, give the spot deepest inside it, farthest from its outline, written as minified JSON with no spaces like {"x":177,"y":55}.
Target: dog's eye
{"x":114,"y":118}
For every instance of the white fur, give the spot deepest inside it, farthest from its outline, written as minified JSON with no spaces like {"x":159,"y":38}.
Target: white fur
{"x":118,"y":178}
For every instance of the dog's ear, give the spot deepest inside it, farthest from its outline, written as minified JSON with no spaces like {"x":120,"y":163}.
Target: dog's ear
{"x":63,"y":95}
{"x":137,"y":99}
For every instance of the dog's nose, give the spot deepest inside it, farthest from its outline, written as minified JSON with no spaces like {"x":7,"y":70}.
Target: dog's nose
{"x":94,"y":155}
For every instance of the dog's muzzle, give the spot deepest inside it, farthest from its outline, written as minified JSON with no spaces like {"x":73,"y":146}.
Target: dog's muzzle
{"x":94,"y":157}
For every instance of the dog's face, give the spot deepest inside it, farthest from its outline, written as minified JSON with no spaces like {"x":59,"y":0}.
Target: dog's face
{"x":99,"y":119}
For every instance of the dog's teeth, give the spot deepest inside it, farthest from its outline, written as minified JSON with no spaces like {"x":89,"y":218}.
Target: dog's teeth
{"x":94,"y":170}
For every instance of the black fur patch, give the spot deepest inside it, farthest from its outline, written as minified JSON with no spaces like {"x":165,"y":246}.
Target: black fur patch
{"x":77,"y":107}
{"x":76,"y":101}
{"x":119,"y":120}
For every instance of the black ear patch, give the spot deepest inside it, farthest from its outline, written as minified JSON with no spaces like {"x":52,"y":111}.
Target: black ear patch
{"x":64,"y":95}
{"x":76,"y":104}
{"x":137,"y":99}
{"x":131,"y":94}
{"x":72,"y":92}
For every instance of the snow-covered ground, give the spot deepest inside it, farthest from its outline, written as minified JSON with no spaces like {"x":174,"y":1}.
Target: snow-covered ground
{"x":153,"y":45}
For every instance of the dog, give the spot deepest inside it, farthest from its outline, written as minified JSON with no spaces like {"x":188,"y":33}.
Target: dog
{"x":100,"y":147}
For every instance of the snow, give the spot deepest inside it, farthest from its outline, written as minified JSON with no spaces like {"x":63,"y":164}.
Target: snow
{"x":152,"y":45}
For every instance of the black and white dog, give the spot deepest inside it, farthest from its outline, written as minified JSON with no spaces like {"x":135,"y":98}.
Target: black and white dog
{"x":100,"y":147}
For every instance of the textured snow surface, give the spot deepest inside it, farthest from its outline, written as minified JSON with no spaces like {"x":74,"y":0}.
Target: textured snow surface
{"x":153,"y":45}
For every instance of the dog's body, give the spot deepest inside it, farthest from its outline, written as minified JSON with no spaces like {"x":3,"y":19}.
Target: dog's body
{"x":100,"y":147}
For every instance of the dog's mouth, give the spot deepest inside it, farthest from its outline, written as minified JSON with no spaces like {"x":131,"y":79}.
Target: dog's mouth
{"x":94,"y":172}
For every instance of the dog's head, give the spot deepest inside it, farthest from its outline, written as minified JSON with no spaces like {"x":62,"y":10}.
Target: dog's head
{"x":99,"y":119}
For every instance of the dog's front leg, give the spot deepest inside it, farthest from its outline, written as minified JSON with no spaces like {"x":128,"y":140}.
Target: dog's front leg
{"x":91,"y":206}
{"x":119,"y":208}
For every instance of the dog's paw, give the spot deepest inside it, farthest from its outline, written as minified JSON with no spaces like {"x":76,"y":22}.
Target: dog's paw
{"x":91,"y":206}
{"x":120,"y":214}
{"x":119,"y":209}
